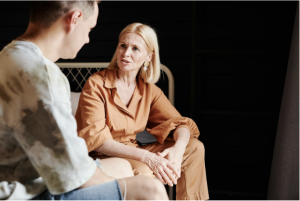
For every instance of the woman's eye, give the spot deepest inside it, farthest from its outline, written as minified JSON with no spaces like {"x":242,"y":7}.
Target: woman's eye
{"x":135,"y":49}
{"x":123,"y":45}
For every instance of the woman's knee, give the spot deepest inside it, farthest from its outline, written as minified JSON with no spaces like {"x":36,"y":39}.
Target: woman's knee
{"x":143,"y":169}
{"x":194,"y":150}
{"x":117,"y":167}
{"x":193,"y":159}
{"x":196,"y":145}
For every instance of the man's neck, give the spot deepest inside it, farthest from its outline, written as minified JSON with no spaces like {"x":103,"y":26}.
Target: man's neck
{"x":48,"y":40}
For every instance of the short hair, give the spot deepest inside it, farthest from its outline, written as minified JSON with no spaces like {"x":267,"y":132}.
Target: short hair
{"x":152,"y":74}
{"x":46,"y":13}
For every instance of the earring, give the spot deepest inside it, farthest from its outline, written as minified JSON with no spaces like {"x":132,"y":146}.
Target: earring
{"x":146,"y":64}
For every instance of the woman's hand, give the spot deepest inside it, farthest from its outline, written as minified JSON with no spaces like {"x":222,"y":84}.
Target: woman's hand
{"x":174,"y":155}
{"x":162,"y":168}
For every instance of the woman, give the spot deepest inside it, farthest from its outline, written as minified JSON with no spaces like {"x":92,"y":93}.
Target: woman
{"x":121,"y":101}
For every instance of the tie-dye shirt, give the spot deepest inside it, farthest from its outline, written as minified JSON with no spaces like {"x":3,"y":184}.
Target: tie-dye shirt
{"x":39,"y":146}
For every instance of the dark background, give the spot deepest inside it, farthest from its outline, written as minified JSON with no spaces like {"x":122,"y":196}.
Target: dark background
{"x":229,"y":61}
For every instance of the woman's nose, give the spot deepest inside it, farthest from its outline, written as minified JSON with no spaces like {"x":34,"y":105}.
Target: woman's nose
{"x":127,"y":52}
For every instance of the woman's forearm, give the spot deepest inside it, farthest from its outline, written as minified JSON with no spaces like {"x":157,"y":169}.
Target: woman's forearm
{"x":114,"y":148}
{"x":181,"y":136}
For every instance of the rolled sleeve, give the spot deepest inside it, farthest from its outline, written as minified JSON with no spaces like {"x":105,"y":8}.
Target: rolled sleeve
{"x":90,"y":116}
{"x":94,"y":135}
{"x":164,"y":118}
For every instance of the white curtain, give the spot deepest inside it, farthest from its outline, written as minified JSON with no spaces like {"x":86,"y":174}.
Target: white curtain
{"x":284,"y":177}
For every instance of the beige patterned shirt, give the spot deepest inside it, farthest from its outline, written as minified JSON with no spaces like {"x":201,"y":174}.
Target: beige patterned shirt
{"x":39,"y":146}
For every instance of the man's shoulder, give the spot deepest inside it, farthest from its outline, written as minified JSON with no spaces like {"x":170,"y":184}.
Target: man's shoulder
{"x":22,"y":55}
{"x":22,"y":48}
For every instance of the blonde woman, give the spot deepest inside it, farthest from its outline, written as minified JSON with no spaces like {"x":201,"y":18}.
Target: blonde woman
{"x":119,"y":102}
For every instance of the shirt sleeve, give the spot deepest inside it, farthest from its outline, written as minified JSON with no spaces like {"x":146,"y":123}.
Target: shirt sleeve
{"x":90,"y":115}
{"x":47,"y":132}
{"x":164,"y":118}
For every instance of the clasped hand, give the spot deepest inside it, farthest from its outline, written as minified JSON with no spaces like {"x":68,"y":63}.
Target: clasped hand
{"x":166,"y":166}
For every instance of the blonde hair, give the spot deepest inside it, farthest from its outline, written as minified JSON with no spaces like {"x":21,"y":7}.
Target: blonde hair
{"x":152,"y":74}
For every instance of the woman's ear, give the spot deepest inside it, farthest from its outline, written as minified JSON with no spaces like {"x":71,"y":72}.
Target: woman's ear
{"x":73,"y":19}
{"x":149,"y":57}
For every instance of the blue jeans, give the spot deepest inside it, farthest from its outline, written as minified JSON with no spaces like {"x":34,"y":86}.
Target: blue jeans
{"x":106,"y":191}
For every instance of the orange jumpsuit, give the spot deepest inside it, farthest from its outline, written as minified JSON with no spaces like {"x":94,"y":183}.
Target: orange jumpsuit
{"x":101,"y":115}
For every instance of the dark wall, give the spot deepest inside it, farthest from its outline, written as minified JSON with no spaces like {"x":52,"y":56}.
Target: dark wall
{"x":229,"y":61}
{"x":241,"y":58}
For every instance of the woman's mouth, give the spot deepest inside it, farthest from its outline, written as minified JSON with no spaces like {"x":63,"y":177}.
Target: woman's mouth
{"x":124,"y":61}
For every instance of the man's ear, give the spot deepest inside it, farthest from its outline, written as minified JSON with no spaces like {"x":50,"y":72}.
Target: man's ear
{"x":73,"y":19}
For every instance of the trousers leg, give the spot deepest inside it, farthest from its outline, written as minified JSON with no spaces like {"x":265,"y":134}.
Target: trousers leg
{"x":192,"y":185}
{"x":105,"y":191}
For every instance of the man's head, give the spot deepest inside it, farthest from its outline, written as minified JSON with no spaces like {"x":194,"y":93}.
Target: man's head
{"x":73,"y":19}
{"x":45,"y":13}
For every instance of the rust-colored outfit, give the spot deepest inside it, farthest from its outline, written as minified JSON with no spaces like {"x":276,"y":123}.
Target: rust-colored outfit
{"x":101,"y":115}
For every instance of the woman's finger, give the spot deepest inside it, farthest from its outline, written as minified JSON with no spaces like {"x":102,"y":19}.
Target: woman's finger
{"x":175,"y":176}
{"x":177,"y":167}
{"x":159,"y":177}
{"x":165,"y":177}
{"x":164,"y":153}
{"x":173,"y":168}
{"x":170,"y":174}
{"x":179,"y":171}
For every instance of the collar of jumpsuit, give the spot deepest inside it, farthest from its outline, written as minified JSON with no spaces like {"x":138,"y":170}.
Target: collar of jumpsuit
{"x":110,"y":83}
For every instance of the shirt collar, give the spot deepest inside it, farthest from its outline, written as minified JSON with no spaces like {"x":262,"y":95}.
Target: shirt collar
{"x":110,"y":78}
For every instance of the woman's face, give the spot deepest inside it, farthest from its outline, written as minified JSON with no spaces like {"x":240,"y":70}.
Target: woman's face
{"x":131,"y":52}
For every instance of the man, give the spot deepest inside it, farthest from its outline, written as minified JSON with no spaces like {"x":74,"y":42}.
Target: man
{"x":41,"y":156}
